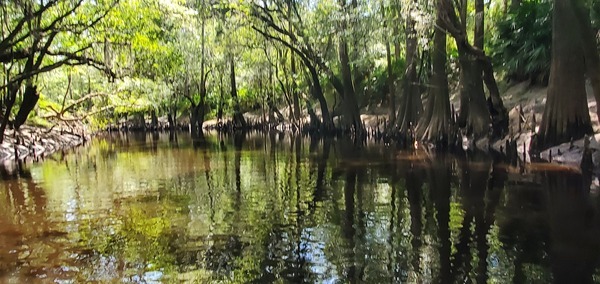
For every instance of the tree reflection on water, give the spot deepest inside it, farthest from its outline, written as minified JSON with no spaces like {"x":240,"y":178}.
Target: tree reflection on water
{"x":279,"y":208}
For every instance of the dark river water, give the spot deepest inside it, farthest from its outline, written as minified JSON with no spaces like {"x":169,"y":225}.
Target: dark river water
{"x":164,"y":209}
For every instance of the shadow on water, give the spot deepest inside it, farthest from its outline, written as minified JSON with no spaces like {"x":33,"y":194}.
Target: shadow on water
{"x":247,"y":208}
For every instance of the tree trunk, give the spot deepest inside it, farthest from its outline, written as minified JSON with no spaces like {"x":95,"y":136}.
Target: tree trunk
{"x":197,"y":117}
{"x":193,"y":119}
{"x":238,"y":118}
{"x":410,"y":104}
{"x":498,"y":112}
{"x":316,"y":88}
{"x":351,"y":116}
{"x":314,"y":120}
{"x":390,"y":71}
{"x":199,"y":109}
{"x":172,"y":117}
{"x":351,"y":111}
{"x":30,"y":98}
{"x":295,"y":99}
{"x":317,"y":92}
{"x":221,"y":99}
{"x":478,"y":32}
{"x":294,"y":91}
{"x":435,"y":125}
{"x":566,"y":114}
{"x":590,"y":51}
{"x":8,"y":102}
{"x":391,"y":79}
{"x":474,"y":115}
{"x":396,"y":29}
{"x":153,"y":120}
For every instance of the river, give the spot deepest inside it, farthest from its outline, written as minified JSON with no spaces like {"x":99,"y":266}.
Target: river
{"x":160,"y":208}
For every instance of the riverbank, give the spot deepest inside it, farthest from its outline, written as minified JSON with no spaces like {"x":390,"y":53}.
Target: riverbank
{"x":32,"y":143}
{"x":525,"y":102}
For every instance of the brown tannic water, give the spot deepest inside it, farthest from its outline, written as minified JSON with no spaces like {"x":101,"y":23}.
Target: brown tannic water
{"x":159,"y":208}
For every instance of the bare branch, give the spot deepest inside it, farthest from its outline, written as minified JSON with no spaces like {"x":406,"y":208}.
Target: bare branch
{"x":8,"y":41}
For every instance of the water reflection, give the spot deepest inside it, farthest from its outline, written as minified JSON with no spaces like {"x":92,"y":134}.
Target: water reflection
{"x":248,"y":208}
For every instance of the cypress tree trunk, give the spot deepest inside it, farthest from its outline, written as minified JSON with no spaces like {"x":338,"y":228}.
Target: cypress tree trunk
{"x":410,"y":103}
{"x":566,"y":114}
{"x":435,"y":124}
{"x":474,"y":116}
{"x":351,"y":112}
{"x":590,"y":51}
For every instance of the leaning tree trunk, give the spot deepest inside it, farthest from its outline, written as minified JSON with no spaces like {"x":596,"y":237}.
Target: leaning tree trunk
{"x":499,"y":114}
{"x":30,"y":98}
{"x":435,"y":125}
{"x":317,"y":92}
{"x":566,"y":114}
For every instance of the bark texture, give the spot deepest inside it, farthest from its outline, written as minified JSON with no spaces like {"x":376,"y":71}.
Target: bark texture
{"x":351,"y":114}
{"x":435,"y":124}
{"x":588,"y":43}
{"x":30,"y":98}
{"x":566,"y":115}
{"x":410,"y":103}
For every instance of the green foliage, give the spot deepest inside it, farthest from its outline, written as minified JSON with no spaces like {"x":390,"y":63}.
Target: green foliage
{"x":377,"y":86}
{"x":522,"y":43}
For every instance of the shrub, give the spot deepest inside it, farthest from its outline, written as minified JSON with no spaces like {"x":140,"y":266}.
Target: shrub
{"x":523,"y":40}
